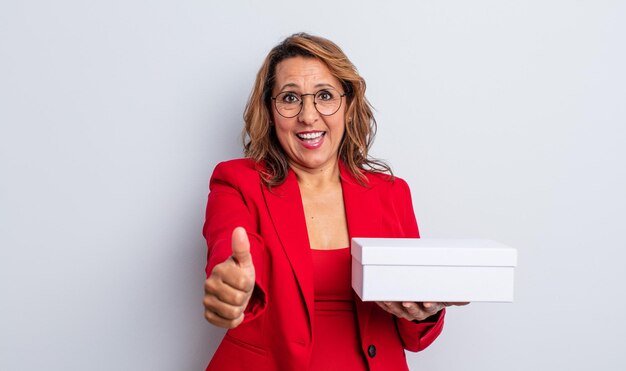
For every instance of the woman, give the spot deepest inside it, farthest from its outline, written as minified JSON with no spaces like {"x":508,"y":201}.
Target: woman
{"x":279,"y":223}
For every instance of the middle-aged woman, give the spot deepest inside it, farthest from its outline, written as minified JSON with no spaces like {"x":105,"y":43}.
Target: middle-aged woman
{"x":279,"y":223}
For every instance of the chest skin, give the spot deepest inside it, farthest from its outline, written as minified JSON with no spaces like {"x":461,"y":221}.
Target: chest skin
{"x":325,"y":216}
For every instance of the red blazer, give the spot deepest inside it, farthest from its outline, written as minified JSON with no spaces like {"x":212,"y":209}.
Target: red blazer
{"x":276,"y":332}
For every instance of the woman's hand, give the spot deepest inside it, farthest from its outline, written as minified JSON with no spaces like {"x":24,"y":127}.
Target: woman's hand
{"x":228,"y":289}
{"x":415,"y":311}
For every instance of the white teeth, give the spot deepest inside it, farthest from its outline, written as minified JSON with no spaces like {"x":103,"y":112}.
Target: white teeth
{"x":309,"y":136}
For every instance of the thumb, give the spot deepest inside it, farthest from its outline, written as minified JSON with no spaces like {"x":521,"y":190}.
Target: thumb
{"x":241,"y":247}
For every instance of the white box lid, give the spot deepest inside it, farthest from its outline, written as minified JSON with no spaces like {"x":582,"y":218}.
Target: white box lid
{"x":433,"y":251}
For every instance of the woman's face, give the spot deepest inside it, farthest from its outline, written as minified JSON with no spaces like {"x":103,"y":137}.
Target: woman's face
{"x":310,"y":140}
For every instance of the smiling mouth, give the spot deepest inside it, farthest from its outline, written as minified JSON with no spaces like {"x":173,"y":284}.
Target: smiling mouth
{"x":311,"y":139}
{"x":311,"y":136}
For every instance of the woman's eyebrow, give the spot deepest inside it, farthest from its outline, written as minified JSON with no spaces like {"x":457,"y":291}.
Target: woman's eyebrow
{"x":324,"y":85}
{"x":317,"y":86}
{"x":289,"y":85}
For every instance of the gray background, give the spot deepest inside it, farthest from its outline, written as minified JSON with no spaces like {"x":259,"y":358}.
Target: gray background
{"x":506,"y":118}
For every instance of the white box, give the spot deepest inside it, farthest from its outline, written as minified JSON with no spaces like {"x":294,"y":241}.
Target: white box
{"x":440,"y":270}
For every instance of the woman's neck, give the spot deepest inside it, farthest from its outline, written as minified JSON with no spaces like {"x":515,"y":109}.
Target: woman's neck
{"x":319,"y":178}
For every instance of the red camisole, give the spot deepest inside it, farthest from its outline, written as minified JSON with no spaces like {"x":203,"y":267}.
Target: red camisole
{"x":336,"y":341}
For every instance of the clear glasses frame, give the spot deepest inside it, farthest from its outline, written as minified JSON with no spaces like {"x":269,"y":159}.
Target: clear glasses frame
{"x":291,"y":112}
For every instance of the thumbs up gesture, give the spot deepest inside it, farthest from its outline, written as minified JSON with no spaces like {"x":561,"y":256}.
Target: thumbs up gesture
{"x":229,"y":287}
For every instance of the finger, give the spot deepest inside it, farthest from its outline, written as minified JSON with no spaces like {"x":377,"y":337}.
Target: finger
{"x":399,"y":310}
{"x":394,"y":308}
{"x":387,"y":306}
{"x":225,"y":292}
{"x":432,"y":307}
{"x":233,"y":275}
{"x":413,"y":309}
{"x":216,"y":320}
{"x":224,"y":310}
{"x":241,"y":247}
{"x":417,"y":312}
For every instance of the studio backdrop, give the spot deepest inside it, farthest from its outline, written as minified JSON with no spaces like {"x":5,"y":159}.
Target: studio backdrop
{"x":507,"y":119}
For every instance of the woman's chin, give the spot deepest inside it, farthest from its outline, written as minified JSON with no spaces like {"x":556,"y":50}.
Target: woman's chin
{"x":314,"y":163}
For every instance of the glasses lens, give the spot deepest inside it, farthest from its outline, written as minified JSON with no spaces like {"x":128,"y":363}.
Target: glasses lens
{"x":327,"y":101}
{"x":288,"y":104}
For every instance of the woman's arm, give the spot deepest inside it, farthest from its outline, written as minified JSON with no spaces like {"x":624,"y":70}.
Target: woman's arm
{"x":227,"y":210}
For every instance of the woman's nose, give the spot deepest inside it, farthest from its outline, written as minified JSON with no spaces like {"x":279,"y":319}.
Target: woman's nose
{"x":309,"y":113}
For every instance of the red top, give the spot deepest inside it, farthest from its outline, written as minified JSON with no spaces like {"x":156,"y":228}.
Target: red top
{"x":336,"y":341}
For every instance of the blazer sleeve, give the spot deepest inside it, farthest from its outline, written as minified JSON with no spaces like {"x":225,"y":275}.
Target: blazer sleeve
{"x":226,"y":210}
{"x":415,"y":335}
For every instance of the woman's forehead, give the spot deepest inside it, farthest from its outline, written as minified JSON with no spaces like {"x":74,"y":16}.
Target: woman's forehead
{"x":301,"y":73}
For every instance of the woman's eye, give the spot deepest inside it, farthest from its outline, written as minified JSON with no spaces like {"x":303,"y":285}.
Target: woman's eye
{"x":324,"y":95}
{"x":290,"y":98}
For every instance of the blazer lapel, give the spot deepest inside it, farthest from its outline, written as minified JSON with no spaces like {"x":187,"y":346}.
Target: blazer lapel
{"x":363,"y":208}
{"x":363,"y":212}
{"x":285,"y":208}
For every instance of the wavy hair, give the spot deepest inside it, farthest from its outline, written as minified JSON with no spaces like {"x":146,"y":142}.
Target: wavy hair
{"x":259,"y":136}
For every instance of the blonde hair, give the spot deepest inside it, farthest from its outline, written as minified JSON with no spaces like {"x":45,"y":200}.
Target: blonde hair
{"x":259,"y":137}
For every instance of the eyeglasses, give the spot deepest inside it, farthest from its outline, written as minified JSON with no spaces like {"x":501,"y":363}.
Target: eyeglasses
{"x":326,"y":101}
